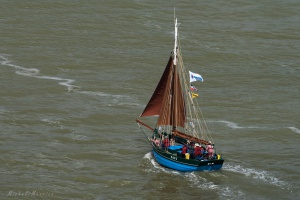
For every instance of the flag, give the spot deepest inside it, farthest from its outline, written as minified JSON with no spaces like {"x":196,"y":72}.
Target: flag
{"x":193,"y":88}
{"x":194,"y":95}
{"x":195,"y":77}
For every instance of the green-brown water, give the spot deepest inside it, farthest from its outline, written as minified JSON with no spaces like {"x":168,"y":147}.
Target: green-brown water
{"x":74,"y":75}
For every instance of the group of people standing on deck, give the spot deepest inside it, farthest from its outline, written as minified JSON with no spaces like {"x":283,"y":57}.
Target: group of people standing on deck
{"x":165,"y":142}
{"x":197,"y":151}
{"x":194,"y":150}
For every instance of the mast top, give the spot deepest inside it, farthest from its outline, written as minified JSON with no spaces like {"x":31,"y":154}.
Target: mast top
{"x":175,"y":43}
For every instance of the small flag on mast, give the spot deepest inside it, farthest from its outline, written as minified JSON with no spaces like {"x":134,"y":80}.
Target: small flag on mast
{"x":193,"y":88}
{"x":194,"y":95}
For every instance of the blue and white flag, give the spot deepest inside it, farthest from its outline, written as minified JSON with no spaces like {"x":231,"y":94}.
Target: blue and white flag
{"x":195,"y":77}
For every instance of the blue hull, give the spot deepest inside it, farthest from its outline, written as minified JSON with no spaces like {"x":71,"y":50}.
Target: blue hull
{"x":184,"y":165}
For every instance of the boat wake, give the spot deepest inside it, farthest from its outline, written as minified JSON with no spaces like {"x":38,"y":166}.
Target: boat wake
{"x":261,"y":175}
{"x":196,"y":180}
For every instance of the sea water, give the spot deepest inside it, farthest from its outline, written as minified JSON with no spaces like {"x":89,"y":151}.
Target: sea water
{"x":74,"y":75}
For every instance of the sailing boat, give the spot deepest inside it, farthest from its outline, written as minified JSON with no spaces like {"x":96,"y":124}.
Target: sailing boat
{"x":180,"y":138}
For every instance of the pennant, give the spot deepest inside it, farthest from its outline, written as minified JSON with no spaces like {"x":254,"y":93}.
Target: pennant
{"x":194,"y":95}
{"x":193,"y":88}
{"x":195,"y":77}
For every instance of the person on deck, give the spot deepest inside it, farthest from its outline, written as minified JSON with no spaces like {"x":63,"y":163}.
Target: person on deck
{"x":210,"y":150}
{"x":190,"y":150}
{"x":157,"y":142}
{"x":189,"y":146}
{"x":166,"y":143}
{"x":172,"y":141}
{"x":197,"y":152}
{"x":183,"y":151}
{"x":202,"y":149}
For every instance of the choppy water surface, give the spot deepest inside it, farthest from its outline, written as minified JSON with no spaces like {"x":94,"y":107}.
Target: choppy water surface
{"x":75,"y":75}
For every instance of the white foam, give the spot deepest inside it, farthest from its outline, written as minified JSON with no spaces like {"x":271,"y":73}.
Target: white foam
{"x":200,"y":182}
{"x":224,"y":191}
{"x":3,"y":110}
{"x":235,"y":125}
{"x":26,"y":73}
{"x":5,"y":61}
{"x":294,"y":129}
{"x":148,"y":156}
{"x":51,"y":122}
{"x":140,"y":2}
{"x":255,"y":174}
{"x":61,"y":81}
{"x":100,"y":94}
{"x":158,"y":167}
{"x":231,"y":124}
{"x":113,"y":99}
{"x":33,"y":72}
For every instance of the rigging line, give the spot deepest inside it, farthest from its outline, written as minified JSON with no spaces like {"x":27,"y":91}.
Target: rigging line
{"x":204,"y":126}
{"x":144,"y":133}
{"x":200,"y":123}
{"x":188,"y":94}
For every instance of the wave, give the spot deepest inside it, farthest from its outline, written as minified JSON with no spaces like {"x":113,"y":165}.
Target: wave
{"x":101,"y":94}
{"x":113,"y":99}
{"x":3,"y":110}
{"x":255,"y":174}
{"x":54,"y":123}
{"x":294,"y":129}
{"x":140,"y":2}
{"x":61,"y":81}
{"x":235,"y":125}
{"x":5,"y":61}
{"x":33,"y":72}
{"x":224,"y":191}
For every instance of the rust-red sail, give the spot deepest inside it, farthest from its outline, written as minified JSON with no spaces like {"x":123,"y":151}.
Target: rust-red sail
{"x":167,"y":100}
{"x":154,"y":105}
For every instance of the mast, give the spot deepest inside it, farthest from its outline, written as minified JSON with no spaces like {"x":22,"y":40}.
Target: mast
{"x":175,"y":43}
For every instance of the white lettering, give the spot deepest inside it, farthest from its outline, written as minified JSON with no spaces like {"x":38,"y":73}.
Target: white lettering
{"x":174,"y":157}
